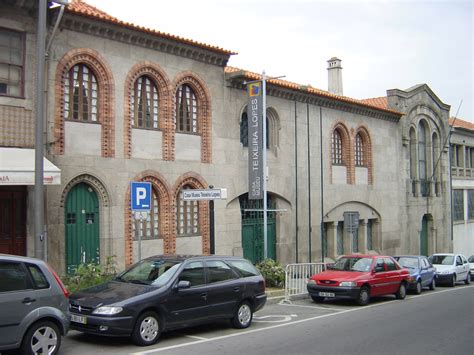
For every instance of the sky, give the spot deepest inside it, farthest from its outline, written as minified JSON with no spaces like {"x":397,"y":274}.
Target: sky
{"x":383,"y":44}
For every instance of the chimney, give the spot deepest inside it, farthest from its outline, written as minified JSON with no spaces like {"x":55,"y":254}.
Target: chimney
{"x":335,"y":76}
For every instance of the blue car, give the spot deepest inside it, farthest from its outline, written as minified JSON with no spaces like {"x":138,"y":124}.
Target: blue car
{"x":422,"y":272}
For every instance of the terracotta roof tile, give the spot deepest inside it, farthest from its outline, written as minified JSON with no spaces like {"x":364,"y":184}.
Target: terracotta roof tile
{"x":459,"y":123}
{"x":79,"y":7}
{"x":381,"y":102}
{"x":309,"y":89}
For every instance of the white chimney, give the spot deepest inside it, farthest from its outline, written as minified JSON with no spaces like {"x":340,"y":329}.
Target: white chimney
{"x":335,"y":76}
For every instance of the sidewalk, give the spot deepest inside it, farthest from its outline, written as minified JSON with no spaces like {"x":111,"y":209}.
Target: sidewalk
{"x":275,"y":295}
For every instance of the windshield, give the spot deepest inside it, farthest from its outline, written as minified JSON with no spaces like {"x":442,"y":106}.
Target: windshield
{"x":353,"y":264}
{"x":442,"y":259}
{"x":154,"y":272}
{"x":411,"y":263}
{"x":471,"y":259}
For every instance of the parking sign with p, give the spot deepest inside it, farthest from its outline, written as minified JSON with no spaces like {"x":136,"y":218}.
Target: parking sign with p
{"x":140,"y":196}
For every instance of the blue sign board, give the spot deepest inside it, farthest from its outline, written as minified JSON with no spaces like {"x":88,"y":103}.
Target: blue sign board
{"x":140,"y":196}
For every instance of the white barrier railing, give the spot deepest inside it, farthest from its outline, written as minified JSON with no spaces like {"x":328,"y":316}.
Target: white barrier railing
{"x":296,"y":278}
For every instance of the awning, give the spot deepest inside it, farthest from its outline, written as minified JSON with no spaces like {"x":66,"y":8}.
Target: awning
{"x":17,"y":167}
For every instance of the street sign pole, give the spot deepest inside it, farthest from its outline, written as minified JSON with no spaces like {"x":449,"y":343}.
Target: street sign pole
{"x":140,"y":203}
{"x":264,"y":158}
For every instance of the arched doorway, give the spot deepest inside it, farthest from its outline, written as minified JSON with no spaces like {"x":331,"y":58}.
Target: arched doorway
{"x":82,"y":226}
{"x":252,"y":228}
{"x":424,"y":236}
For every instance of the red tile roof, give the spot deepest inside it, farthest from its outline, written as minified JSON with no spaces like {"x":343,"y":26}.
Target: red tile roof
{"x":310,"y":90}
{"x":381,"y":102}
{"x":459,"y":123}
{"x":81,"y":8}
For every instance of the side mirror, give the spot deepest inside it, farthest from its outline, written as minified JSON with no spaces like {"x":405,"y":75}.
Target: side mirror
{"x":330,"y":267}
{"x":183,"y":285}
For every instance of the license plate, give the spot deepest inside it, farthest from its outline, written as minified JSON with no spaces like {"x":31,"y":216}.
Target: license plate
{"x":327,"y":294}
{"x":78,"y":319}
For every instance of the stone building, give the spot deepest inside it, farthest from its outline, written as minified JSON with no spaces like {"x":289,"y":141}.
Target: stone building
{"x":126,"y":103}
{"x":462,"y":175}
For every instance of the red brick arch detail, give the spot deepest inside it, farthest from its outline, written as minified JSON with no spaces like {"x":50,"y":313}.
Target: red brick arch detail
{"x":197,"y":182}
{"x":347,"y":152}
{"x":162,"y":83}
{"x":163,"y":190}
{"x":367,"y":149}
{"x":106,"y":104}
{"x":203,"y":97}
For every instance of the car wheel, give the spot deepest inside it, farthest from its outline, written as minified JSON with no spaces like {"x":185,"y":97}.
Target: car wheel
{"x":452,"y":282}
{"x":364,"y":296}
{"x":317,"y":299}
{"x":402,"y":291}
{"x":433,"y":283}
{"x":467,"y":281}
{"x":42,"y":338}
{"x":418,"y":287}
{"x":243,"y":316}
{"x":147,"y":329}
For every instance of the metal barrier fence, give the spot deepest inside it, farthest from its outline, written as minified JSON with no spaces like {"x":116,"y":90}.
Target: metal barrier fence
{"x":296,"y":278}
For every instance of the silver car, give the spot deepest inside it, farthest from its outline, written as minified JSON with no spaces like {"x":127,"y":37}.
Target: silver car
{"x":33,"y":306}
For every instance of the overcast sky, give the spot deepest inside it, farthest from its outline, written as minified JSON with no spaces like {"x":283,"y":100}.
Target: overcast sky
{"x":383,"y":44}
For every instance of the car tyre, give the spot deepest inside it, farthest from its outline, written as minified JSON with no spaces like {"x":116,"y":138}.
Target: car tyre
{"x":433,"y":283}
{"x":467,"y":281}
{"x":418,"y":287}
{"x":452,"y":282}
{"x":402,"y":291}
{"x":42,"y":337}
{"x":147,"y":329}
{"x":317,"y":299}
{"x":364,"y":296}
{"x":243,"y":316}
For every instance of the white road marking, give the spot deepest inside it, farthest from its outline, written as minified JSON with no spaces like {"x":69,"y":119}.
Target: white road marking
{"x":315,"y":307}
{"x":291,"y":323}
{"x":195,"y":337}
{"x":268,"y":319}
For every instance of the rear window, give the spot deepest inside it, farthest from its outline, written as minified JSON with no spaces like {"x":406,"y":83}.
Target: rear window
{"x":442,"y":259}
{"x":245,"y":268}
{"x":13,"y":277}
{"x":38,"y":277}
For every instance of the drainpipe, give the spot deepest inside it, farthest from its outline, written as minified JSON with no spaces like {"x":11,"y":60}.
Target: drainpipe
{"x":309,"y":185}
{"x":296,"y":183}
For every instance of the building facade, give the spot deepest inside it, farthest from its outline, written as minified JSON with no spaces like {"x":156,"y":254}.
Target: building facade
{"x":127,"y":104}
{"x":462,"y":175}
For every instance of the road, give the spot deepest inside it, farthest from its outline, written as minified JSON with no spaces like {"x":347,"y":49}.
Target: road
{"x":435,"y":322}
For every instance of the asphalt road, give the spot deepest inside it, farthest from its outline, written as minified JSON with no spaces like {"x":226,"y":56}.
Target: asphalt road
{"x":435,"y":322}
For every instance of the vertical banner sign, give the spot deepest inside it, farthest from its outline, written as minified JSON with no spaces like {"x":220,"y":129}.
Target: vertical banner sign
{"x":255,"y":140}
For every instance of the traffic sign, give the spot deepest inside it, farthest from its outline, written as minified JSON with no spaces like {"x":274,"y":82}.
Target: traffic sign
{"x":140,"y":196}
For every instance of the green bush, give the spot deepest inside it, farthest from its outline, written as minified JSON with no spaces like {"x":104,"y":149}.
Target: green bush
{"x":273,"y":273}
{"x":88,"y":275}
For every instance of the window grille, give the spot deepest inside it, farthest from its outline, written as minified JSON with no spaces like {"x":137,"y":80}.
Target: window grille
{"x":149,"y":227}
{"x":80,"y":94}
{"x":145,"y":103}
{"x":359,"y":151}
{"x":458,"y":205}
{"x":11,"y":63}
{"x":336,"y":148}
{"x":188,"y":216}
{"x":186,"y":110}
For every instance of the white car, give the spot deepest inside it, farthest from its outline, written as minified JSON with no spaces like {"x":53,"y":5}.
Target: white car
{"x":471,"y":265}
{"x":451,"y":268}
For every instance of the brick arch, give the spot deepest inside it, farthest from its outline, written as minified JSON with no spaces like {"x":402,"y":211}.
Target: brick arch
{"x":203,"y":97}
{"x":162,"y":83}
{"x":197,"y":182}
{"x":347,"y":152}
{"x":162,"y":189}
{"x":367,"y":150}
{"x":106,"y":104}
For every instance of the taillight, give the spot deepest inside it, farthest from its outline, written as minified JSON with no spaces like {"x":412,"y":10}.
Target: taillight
{"x":58,"y":280}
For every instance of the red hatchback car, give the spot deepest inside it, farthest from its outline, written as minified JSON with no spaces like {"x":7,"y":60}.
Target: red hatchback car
{"x":360,"y":277}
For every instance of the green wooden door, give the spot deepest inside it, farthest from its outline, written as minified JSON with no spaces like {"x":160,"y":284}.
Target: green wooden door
{"x":82,"y":227}
{"x":424,"y":237}
{"x":252,"y":230}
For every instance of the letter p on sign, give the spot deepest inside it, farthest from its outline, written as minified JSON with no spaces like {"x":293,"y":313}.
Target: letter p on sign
{"x":140,"y":196}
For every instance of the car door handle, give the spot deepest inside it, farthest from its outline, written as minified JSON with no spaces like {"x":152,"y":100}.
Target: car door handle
{"x":204,"y":296}
{"x":236,"y":289}
{"x":28,"y":300}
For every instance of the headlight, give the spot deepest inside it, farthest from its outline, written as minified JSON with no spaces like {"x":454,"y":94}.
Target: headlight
{"x":106,"y":310}
{"x":311,"y":282}
{"x":348,"y":284}
{"x":447,"y":272}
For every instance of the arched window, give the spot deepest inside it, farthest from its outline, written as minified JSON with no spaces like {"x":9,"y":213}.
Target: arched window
{"x":360,"y":159}
{"x":436,"y":161}
{"x":413,"y":159}
{"x":422,"y":158}
{"x":244,"y":129}
{"x":145,"y":103}
{"x":149,"y":227}
{"x":186,"y":110}
{"x":336,"y":145}
{"x":188,"y":215}
{"x":80,"y":94}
